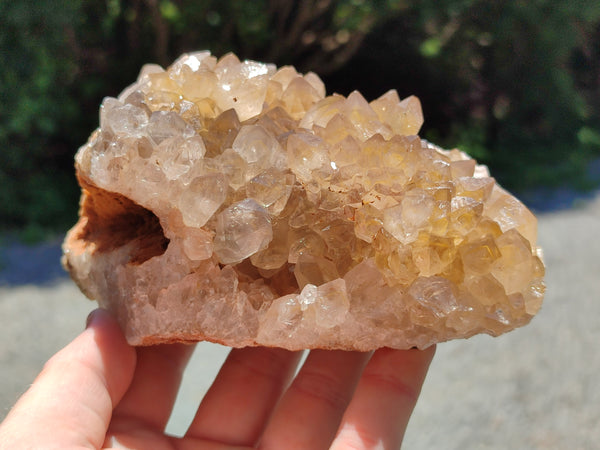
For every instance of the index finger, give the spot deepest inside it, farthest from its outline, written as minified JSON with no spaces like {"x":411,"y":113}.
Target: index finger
{"x":71,"y":401}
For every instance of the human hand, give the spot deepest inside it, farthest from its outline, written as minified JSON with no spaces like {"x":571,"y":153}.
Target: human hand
{"x":98,"y":392}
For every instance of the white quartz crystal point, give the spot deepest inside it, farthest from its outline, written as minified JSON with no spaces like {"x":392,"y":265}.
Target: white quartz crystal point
{"x":405,"y":117}
{"x":411,"y":216}
{"x":258,"y":149}
{"x":178,"y":155}
{"x":242,"y":86}
{"x":122,"y":119}
{"x":271,"y":189}
{"x":198,"y":244}
{"x":191,"y":61}
{"x":201,"y":199}
{"x":167,"y":124}
{"x":302,"y":320}
{"x":242,"y":229}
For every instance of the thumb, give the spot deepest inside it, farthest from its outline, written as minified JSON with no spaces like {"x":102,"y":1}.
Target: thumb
{"x":70,"y":403}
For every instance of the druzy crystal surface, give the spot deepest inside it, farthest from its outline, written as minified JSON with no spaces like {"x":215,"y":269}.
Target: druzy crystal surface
{"x":235,"y":202}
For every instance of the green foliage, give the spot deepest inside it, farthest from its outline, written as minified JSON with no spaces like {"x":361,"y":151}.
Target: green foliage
{"x":36,"y":113}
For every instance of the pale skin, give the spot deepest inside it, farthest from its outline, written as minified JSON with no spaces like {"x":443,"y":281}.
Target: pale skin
{"x":98,"y":392}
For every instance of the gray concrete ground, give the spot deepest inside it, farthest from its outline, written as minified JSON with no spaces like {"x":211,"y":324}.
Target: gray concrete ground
{"x":534,"y":388}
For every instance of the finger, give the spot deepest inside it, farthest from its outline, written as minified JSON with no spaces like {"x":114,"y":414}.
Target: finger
{"x":71,"y":401}
{"x":237,"y":406}
{"x":309,"y":413}
{"x":384,"y":399}
{"x":151,"y":396}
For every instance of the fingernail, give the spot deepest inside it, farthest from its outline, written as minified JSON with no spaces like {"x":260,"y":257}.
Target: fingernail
{"x":94,"y":316}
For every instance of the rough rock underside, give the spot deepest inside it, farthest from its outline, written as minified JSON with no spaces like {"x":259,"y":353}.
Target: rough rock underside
{"x":234,"y":202}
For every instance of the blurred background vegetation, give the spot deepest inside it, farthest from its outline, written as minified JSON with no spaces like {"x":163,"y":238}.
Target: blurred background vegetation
{"x":515,"y":83}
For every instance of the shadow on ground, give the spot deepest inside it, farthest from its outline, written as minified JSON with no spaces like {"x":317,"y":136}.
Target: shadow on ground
{"x":22,"y":264}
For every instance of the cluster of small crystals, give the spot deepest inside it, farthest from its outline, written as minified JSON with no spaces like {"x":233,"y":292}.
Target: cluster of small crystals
{"x":327,"y":217}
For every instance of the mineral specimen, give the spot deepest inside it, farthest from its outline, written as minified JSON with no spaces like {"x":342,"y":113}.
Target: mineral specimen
{"x":234,"y":202}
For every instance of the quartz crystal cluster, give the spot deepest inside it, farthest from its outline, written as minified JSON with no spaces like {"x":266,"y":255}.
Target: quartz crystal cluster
{"x":235,"y":202}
